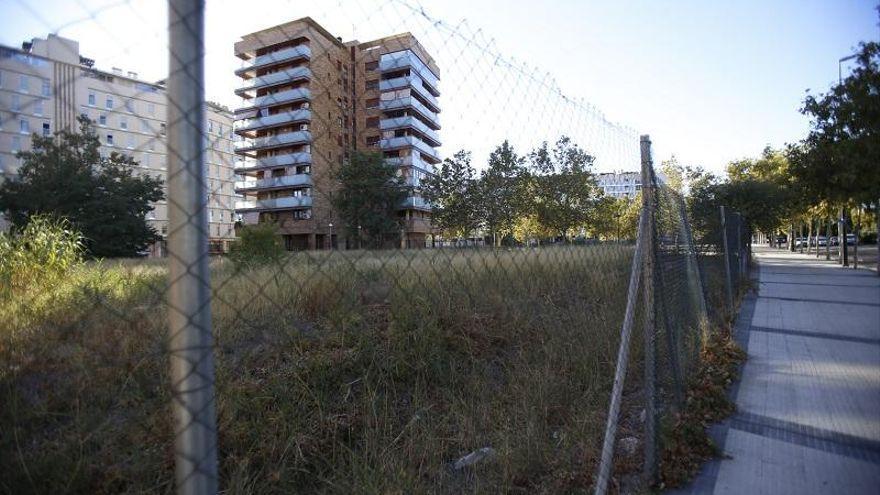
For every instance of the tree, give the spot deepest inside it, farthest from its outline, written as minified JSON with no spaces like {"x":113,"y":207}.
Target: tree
{"x":369,"y":195}
{"x":65,"y":176}
{"x":501,"y":189}
{"x":453,"y":193}
{"x":562,"y":186}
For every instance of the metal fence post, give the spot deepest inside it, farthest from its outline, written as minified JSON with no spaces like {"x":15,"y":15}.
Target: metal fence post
{"x":650,"y":313}
{"x":189,"y":292}
{"x":622,"y":360}
{"x":727,"y":280}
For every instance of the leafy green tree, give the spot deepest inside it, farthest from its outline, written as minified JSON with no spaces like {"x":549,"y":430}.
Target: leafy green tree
{"x":501,"y":190}
{"x":454,"y":195}
{"x":66,"y":177}
{"x":256,"y":245}
{"x":369,"y":196}
{"x":562,"y":186}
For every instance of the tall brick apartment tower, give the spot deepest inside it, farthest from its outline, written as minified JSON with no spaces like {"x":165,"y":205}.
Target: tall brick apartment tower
{"x":307,"y":100}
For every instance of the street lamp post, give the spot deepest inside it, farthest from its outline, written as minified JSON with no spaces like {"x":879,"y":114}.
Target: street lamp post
{"x":331,"y":235}
{"x":841,"y":231}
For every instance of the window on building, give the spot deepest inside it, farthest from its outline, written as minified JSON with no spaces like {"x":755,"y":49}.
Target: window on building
{"x":23,"y":83}
{"x":130,"y":143}
{"x":16,"y":103}
{"x":92,"y":99}
{"x":102,"y":119}
{"x":151,"y":145}
{"x":123,"y":123}
{"x":162,"y":128}
{"x":47,"y":91}
{"x":372,"y":122}
{"x":372,"y":140}
{"x":151,"y":108}
{"x":371,"y":84}
{"x":109,"y":103}
{"x":371,"y":65}
{"x":16,"y":143}
{"x":145,"y":127}
{"x":129,"y":105}
{"x":38,"y":107}
{"x":24,"y":126}
{"x":373,"y":103}
{"x":109,"y":139}
{"x":145,"y":159}
{"x":46,"y":129}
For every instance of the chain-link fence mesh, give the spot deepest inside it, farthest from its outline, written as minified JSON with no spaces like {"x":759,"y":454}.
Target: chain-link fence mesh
{"x":432,"y":336}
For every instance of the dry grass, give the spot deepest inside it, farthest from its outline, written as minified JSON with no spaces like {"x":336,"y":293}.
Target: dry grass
{"x":336,"y":372}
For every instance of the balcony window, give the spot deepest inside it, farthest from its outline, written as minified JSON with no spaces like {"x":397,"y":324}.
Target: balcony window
{"x":373,"y":103}
{"x":16,"y":103}
{"x":24,"y":126}
{"x":123,"y":123}
{"x":46,"y":129}
{"x":371,"y":84}
{"x":47,"y":91}
{"x":109,"y":139}
{"x":372,"y":140}
{"x":373,"y":122}
{"x":102,"y":119}
{"x":16,"y":143}
{"x":370,"y":66}
{"x":92,"y":99}
{"x":23,"y":83}
{"x":38,"y":107}
{"x":109,"y":103}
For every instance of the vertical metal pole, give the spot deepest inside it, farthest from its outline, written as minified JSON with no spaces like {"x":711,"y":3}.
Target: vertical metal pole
{"x":189,"y":293}
{"x":727,"y":279}
{"x":841,"y":236}
{"x":856,"y":229}
{"x":650,"y":313}
{"x":622,"y":359}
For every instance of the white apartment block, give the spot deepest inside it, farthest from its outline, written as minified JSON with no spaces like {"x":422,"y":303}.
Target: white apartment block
{"x":46,"y":84}
{"x":620,"y":184}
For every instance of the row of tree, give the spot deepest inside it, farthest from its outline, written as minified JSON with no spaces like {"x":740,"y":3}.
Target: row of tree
{"x":833,"y":172}
{"x":549,"y":192}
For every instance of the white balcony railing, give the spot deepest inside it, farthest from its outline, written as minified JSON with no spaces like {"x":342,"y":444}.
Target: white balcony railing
{"x":408,"y":102}
{"x":270,"y":182}
{"x":406,"y":58}
{"x":275,"y":203}
{"x":274,"y":79}
{"x":413,"y":123}
{"x":302,"y":115}
{"x":301,"y":158}
{"x":286,"y":96}
{"x":292,"y":53}
{"x":286,"y":139}
{"x":407,"y":141}
{"x":412,"y":82}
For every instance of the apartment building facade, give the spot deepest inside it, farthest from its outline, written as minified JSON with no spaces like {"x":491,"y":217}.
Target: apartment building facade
{"x":308,"y":100}
{"x":620,"y":184}
{"x":46,"y":84}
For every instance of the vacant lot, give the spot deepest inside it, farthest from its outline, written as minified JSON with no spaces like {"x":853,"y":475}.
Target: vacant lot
{"x":337,"y":372}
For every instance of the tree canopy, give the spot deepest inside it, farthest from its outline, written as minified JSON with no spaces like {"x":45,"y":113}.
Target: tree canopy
{"x":65,"y":176}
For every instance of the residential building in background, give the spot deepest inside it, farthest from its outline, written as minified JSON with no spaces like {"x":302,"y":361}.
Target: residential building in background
{"x":46,"y":84}
{"x":620,"y":184}
{"x":308,"y":100}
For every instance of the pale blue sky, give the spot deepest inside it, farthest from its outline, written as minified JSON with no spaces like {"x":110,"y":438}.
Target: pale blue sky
{"x":710,"y":81}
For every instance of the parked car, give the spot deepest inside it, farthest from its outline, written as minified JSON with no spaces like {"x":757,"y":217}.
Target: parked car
{"x":850,"y":239}
{"x":781,"y":239}
{"x":799,"y":242}
{"x":835,"y":241}
{"x":822,"y":240}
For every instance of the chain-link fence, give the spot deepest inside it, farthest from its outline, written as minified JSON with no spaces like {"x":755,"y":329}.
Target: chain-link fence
{"x":343,"y":308}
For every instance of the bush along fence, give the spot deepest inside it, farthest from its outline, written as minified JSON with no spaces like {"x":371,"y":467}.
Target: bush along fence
{"x":670,"y":278}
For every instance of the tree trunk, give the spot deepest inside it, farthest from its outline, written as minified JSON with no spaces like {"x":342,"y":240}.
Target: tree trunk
{"x":841,"y":235}
{"x":791,"y":237}
{"x":828,"y":241}
{"x":809,"y":235}
{"x":858,"y":227}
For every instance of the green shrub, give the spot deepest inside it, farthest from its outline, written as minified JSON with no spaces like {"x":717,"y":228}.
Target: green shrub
{"x":257,"y":245}
{"x":39,"y":255}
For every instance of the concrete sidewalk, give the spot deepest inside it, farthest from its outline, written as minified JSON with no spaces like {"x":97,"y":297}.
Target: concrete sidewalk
{"x":808,"y":419}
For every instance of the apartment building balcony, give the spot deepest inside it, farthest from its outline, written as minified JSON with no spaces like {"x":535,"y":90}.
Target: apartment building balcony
{"x":274,"y":79}
{"x":252,"y":165}
{"x":286,"y":96}
{"x":432,"y":137}
{"x":411,"y":161}
{"x":415,"y":84}
{"x":288,"y":202}
{"x":416,"y":202}
{"x":297,"y":52}
{"x":273,"y":182}
{"x":407,"y":59}
{"x":409,"y":141}
{"x":411,"y":103}
{"x":268,"y":142}
{"x":269,"y":121}
{"x":421,"y":225}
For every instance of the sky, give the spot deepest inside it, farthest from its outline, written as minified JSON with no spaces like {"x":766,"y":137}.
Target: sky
{"x":709,"y":81}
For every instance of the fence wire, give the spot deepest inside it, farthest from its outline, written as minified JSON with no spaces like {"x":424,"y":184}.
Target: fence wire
{"x":451,"y":326}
